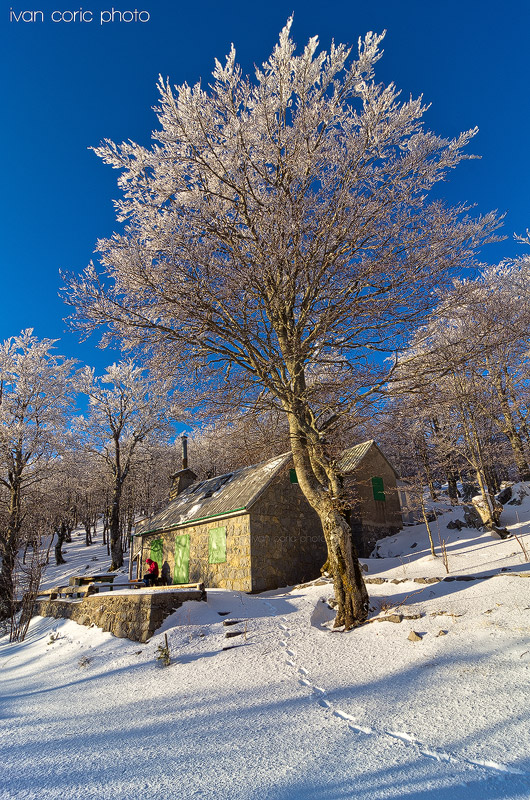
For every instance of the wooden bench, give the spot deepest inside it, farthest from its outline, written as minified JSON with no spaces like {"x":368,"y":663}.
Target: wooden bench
{"x":75,"y":592}
{"x":139,"y":584}
{"x":82,"y":580}
{"x":111,"y":587}
{"x":47,"y":594}
{"x":197,"y":586}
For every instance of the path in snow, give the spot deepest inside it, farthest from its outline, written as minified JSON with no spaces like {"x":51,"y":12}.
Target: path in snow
{"x":319,"y":695}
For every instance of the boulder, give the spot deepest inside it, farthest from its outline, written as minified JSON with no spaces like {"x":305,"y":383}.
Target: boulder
{"x":472,"y":517}
{"x":498,"y":531}
{"x":504,"y":495}
{"x":519,"y":495}
{"x":486,"y":514}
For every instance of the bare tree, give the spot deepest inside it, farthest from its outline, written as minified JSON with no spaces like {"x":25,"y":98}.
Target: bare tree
{"x":35,"y":396}
{"x":277,"y":235}
{"x":120,"y":420}
{"x":237,"y":440}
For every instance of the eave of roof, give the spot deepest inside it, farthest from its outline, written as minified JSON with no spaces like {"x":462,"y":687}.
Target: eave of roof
{"x":195,"y":520}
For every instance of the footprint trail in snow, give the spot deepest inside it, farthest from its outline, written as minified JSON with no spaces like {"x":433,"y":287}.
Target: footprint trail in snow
{"x":404,"y":737}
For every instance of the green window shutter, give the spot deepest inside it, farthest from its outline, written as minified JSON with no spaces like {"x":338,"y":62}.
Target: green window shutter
{"x":293,"y":477}
{"x":378,"y":489}
{"x":182,"y":558}
{"x":157,"y":552}
{"x":217,"y":546}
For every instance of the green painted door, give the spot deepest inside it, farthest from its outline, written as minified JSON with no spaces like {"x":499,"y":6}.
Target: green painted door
{"x":378,"y":488}
{"x":157,"y":552}
{"x":182,"y":558}
{"x":217,"y":546}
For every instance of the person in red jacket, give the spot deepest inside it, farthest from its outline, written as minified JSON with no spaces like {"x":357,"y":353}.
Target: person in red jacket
{"x":151,"y":575}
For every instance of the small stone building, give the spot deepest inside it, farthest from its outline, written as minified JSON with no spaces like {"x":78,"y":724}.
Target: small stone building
{"x":249,"y":530}
{"x":253,"y":530}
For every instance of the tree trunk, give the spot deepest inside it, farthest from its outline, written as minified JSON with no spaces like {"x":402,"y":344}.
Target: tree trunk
{"x":487,"y":490}
{"x":8,"y":553}
{"x":350,"y":591}
{"x":452,"y":488}
{"x":7,"y":587}
{"x":88,"y":535}
{"x":424,"y":455}
{"x":61,"y":538}
{"x":426,"y":521}
{"x":475,"y":454}
{"x":116,"y":550}
{"x":106,"y":518}
{"x":512,"y":433}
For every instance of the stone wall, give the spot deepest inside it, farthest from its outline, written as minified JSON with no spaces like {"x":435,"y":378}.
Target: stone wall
{"x":287,"y":542}
{"x":132,"y":616}
{"x":234,"y":573}
{"x":373,"y":519}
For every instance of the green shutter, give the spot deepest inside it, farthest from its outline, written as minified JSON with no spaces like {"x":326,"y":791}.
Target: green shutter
{"x":182,"y":558}
{"x":217,"y":546}
{"x":378,"y":489}
{"x":157,"y":552}
{"x":293,"y":477}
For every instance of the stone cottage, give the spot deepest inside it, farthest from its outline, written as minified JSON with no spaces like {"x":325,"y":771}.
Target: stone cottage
{"x":248,"y":530}
{"x":253,"y":530}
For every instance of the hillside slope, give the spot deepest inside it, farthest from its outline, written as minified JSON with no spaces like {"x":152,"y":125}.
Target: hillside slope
{"x":293,"y":709}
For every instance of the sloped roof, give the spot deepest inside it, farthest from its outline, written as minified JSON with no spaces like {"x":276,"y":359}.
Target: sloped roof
{"x":215,"y":497}
{"x":352,"y":457}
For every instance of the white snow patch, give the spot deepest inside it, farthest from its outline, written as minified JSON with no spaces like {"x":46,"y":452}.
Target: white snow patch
{"x":288,"y":710}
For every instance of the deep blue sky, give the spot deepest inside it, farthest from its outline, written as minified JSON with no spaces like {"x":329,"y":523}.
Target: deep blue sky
{"x":66,"y":86}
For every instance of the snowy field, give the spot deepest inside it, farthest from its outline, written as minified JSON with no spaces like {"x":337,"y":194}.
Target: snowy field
{"x":292,"y":711}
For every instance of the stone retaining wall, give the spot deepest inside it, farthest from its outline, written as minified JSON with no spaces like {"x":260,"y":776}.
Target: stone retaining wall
{"x":132,"y":616}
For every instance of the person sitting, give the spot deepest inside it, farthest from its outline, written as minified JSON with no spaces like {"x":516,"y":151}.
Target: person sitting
{"x":151,"y":575}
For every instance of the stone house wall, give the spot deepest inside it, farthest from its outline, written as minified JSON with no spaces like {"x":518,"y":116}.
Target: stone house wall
{"x":280,"y":542}
{"x":287,"y":542}
{"x":234,"y":573}
{"x":373,"y":519}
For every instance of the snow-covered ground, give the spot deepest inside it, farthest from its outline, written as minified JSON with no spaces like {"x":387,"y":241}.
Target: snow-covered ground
{"x":292,"y":710}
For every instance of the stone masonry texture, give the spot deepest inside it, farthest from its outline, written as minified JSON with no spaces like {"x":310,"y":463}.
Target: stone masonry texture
{"x":131,"y":616}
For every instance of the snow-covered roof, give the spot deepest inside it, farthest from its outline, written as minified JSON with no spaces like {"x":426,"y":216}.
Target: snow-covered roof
{"x":216,"y":497}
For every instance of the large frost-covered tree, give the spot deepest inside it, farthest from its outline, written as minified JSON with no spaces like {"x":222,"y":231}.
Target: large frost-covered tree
{"x":35,"y":397}
{"x":277,"y":233}
{"x":126,"y":410}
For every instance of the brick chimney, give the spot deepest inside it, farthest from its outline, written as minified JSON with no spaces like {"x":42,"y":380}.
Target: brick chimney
{"x":184,"y":477}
